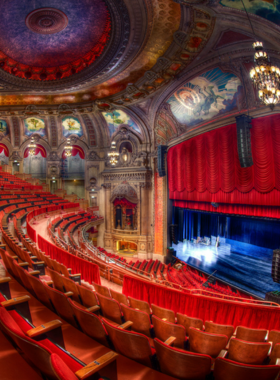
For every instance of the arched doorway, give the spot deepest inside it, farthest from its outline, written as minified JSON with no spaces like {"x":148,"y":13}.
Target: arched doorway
{"x":4,"y":154}
{"x":73,"y":171}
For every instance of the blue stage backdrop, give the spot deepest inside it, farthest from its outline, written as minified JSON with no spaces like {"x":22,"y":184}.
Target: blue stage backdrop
{"x":259,"y":232}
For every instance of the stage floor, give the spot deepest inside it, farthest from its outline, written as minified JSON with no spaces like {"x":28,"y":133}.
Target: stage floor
{"x":243,"y":265}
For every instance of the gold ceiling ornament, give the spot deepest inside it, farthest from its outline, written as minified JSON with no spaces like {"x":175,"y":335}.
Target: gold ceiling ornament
{"x":68,"y":148}
{"x":32,"y":146}
{"x":265,"y":77}
{"x":113,"y":154}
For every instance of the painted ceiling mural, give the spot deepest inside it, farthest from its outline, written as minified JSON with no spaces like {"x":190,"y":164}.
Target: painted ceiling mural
{"x":117,"y":118}
{"x":4,"y":127}
{"x":71,"y":125}
{"x":206,"y":96}
{"x":34,"y":125}
{"x":268,"y":9}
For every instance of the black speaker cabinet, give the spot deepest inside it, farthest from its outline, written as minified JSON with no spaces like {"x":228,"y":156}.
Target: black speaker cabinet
{"x":275,"y":269}
{"x":243,"y":126}
{"x":162,"y":149}
{"x":174,"y":233}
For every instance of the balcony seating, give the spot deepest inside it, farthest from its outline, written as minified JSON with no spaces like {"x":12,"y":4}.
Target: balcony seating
{"x":163,"y":330}
{"x":110,"y":309}
{"x":141,"y":320}
{"x":229,"y":370}
{"x":248,"y":352}
{"x":215,"y":328}
{"x":251,"y":335}
{"x":131,"y":344}
{"x":87,"y":296}
{"x":206,"y":343}
{"x":139,"y":305}
{"x":103,"y":290}
{"x":182,"y":364}
{"x":162,"y":313}
{"x":188,"y":322}
{"x":121,"y":298}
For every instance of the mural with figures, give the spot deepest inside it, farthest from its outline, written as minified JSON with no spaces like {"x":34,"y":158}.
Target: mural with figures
{"x":34,"y":125}
{"x":268,"y":9}
{"x":118,"y":117}
{"x":71,"y":125}
{"x":4,"y":127}
{"x":206,"y":96}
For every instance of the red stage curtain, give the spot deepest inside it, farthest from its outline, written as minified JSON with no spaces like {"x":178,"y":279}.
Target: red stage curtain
{"x":260,"y":211}
{"x":206,"y":308}
{"x":6,"y":151}
{"x":39,"y":149}
{"x":76,"y":149}
{"x":206,"y":168}
{"x":124,"y":202}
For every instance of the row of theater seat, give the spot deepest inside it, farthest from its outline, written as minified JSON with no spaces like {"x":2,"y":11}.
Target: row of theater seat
{"x":112,"y":332}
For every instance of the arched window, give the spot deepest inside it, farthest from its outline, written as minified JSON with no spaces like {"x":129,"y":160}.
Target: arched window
{"x":35,"y":164}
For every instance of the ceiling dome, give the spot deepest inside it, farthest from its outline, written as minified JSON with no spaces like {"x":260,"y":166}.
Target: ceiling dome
{"x":124,"y":190}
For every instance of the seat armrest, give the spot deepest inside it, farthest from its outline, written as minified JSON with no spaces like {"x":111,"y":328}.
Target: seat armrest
{"x":68,"y":294}
{"x":34,"y":272}
{"x":74,"y":275}
{"x":4,"y":280}
{"x":228,"y":343}
{"x":23,"y":264}
{"x":223,"y":354}
{"x":277,"y":362}
{"x":271,"y":345}
{"x":49,"y":283}
{"x":170,"y":341}
{"x":235,"y":331}
{"x":266,"y":337}
{"x":15,"y":301}
{"x":93,"y":309}
{"x":126,"y":325}
{"x":33,"y":258}
{"x":96,"y":365}
{"x":15,"y":257}
{"x":39,"y":262}
{"x":43,"y":329}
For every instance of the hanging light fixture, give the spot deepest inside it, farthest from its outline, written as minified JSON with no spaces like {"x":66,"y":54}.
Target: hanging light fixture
{"x":32,"y":146}
{"x":68,"y":149}
{"x":113,"y":154}
{"x":266,"y":78}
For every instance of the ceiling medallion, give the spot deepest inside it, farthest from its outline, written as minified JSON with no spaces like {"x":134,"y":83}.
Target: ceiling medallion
{"x":46,"y":21}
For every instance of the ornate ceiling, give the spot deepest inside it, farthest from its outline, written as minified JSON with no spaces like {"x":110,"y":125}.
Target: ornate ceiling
{"x":166,"y":68}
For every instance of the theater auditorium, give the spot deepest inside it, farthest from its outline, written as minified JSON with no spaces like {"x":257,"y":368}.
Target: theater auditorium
{"x":140,"y":190}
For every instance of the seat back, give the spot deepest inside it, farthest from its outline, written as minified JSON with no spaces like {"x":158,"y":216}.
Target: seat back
{"x":70,"y":286}
{"x":162,"y":313}
{"x":206,"y":343}
{"x":90,"y":323}
{"x":61,"y":305}
{"x":181,"y":364}
{"x":57,"y":280}
{"x":121,"y":298}
{"x":251,"y":335}
{"x":163,"y":330}
{"x":228,"y":370}
{"x":248,"y":352}
{"x":34,"y":351}
{"x":88,"y":297}
{"x":140,"y":305}
{"x":141,"y":320}
{"x":188,"y":322}
{"x":110,"y":308}
{"x":274,"y":336}
{"x":24,"y":278}
{"x":130,"y":344}
{"x":215,"y":328}
{"x":61,"y":369}
{"x":103,"y":290}
{"x":275,"y":354}
{"x":40,"y":291}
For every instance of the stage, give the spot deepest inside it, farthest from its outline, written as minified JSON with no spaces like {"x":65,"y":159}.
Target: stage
{"x":243,"y":265}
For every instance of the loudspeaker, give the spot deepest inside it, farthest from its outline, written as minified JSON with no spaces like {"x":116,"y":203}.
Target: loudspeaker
{"x":243,"y":126}
{"x":275,"y":269}
{"x":174,"y":233}
{"x":171,"y":256}
{"x":162,"y":149}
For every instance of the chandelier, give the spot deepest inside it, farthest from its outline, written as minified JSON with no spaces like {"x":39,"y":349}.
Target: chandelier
{"x":32,"y":146}
{"x":113,"y":154}
{"x":68,"y":149}
{"x":266,"y":78}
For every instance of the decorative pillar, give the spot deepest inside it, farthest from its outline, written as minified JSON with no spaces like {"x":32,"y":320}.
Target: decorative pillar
{"x":108,"y":220}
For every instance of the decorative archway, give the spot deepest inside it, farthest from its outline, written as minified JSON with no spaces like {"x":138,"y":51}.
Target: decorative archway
{"x":125,"y":202}
{"x":4,"y":154}
{"x":35,"y":164}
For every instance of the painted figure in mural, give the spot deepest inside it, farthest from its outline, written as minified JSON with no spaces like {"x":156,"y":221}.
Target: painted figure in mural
{"x":34,"y":125}
{"x":208,"y":99}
